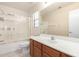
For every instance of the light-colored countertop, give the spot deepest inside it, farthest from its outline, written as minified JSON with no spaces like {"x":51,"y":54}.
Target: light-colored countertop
{"x":66,"y":45}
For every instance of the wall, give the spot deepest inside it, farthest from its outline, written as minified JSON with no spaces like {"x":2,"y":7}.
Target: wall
{"x":57,"y":20}
{"x":15,"y":24}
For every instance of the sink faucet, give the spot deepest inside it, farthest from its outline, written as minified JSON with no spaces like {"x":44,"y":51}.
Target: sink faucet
{"x":52,"y":38}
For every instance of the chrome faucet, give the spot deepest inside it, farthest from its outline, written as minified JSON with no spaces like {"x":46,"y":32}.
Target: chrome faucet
{"x":52,"y":38}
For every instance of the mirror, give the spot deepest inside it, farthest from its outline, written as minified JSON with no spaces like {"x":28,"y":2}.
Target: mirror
{"x":62,"y":21}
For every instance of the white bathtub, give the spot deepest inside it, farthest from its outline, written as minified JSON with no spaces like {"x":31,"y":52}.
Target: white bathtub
{"x":14,"y":49}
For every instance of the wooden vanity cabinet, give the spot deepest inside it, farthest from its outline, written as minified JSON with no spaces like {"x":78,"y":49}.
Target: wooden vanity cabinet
{"x":40,"y":50}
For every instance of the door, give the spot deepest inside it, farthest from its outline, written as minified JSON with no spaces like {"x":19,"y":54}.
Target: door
{"x":74,"y":23}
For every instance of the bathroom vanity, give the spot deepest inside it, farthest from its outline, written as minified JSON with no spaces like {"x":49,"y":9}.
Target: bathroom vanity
{"x":43,"y":47}
{"x":40,"y":50}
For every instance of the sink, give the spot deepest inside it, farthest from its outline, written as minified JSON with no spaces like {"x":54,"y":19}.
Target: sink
{"x":52,"y":40}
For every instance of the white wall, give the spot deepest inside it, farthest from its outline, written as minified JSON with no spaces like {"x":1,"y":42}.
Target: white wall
{"x":17,"y":22}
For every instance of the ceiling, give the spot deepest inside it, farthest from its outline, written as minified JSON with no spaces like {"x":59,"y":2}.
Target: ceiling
{"x":28,"y":7}
{"x":55,"y":6}
{"x":31,"y":7}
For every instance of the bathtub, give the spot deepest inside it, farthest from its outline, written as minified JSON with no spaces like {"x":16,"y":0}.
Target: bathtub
{"x":14,"y":49}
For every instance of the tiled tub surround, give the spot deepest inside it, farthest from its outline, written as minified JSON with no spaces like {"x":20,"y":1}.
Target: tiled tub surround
{"x":63,"y":44}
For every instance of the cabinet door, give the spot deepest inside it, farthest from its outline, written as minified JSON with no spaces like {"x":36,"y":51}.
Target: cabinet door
{"x":45,"y":54}
{"x":37,"y":52}
{"x":65,"y":55}
{"x":50,"y":51}
{"x":37,"y":44}
{"x":31,"y":47}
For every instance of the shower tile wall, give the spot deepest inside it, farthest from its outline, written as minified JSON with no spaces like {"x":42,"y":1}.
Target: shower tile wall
{"x":14,"y":26}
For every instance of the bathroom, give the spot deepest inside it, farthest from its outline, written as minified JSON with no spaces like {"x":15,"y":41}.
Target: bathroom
{"x":41,"y":27}
{"x":56,"y":34}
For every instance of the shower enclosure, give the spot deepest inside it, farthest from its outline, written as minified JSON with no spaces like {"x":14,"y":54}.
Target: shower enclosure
{"x":14,"y":32}
{"x":13,"y":28}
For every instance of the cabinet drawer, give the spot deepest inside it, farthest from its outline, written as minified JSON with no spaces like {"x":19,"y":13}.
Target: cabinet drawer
{"x":50,"y":51}
{"x":37,"y":44}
